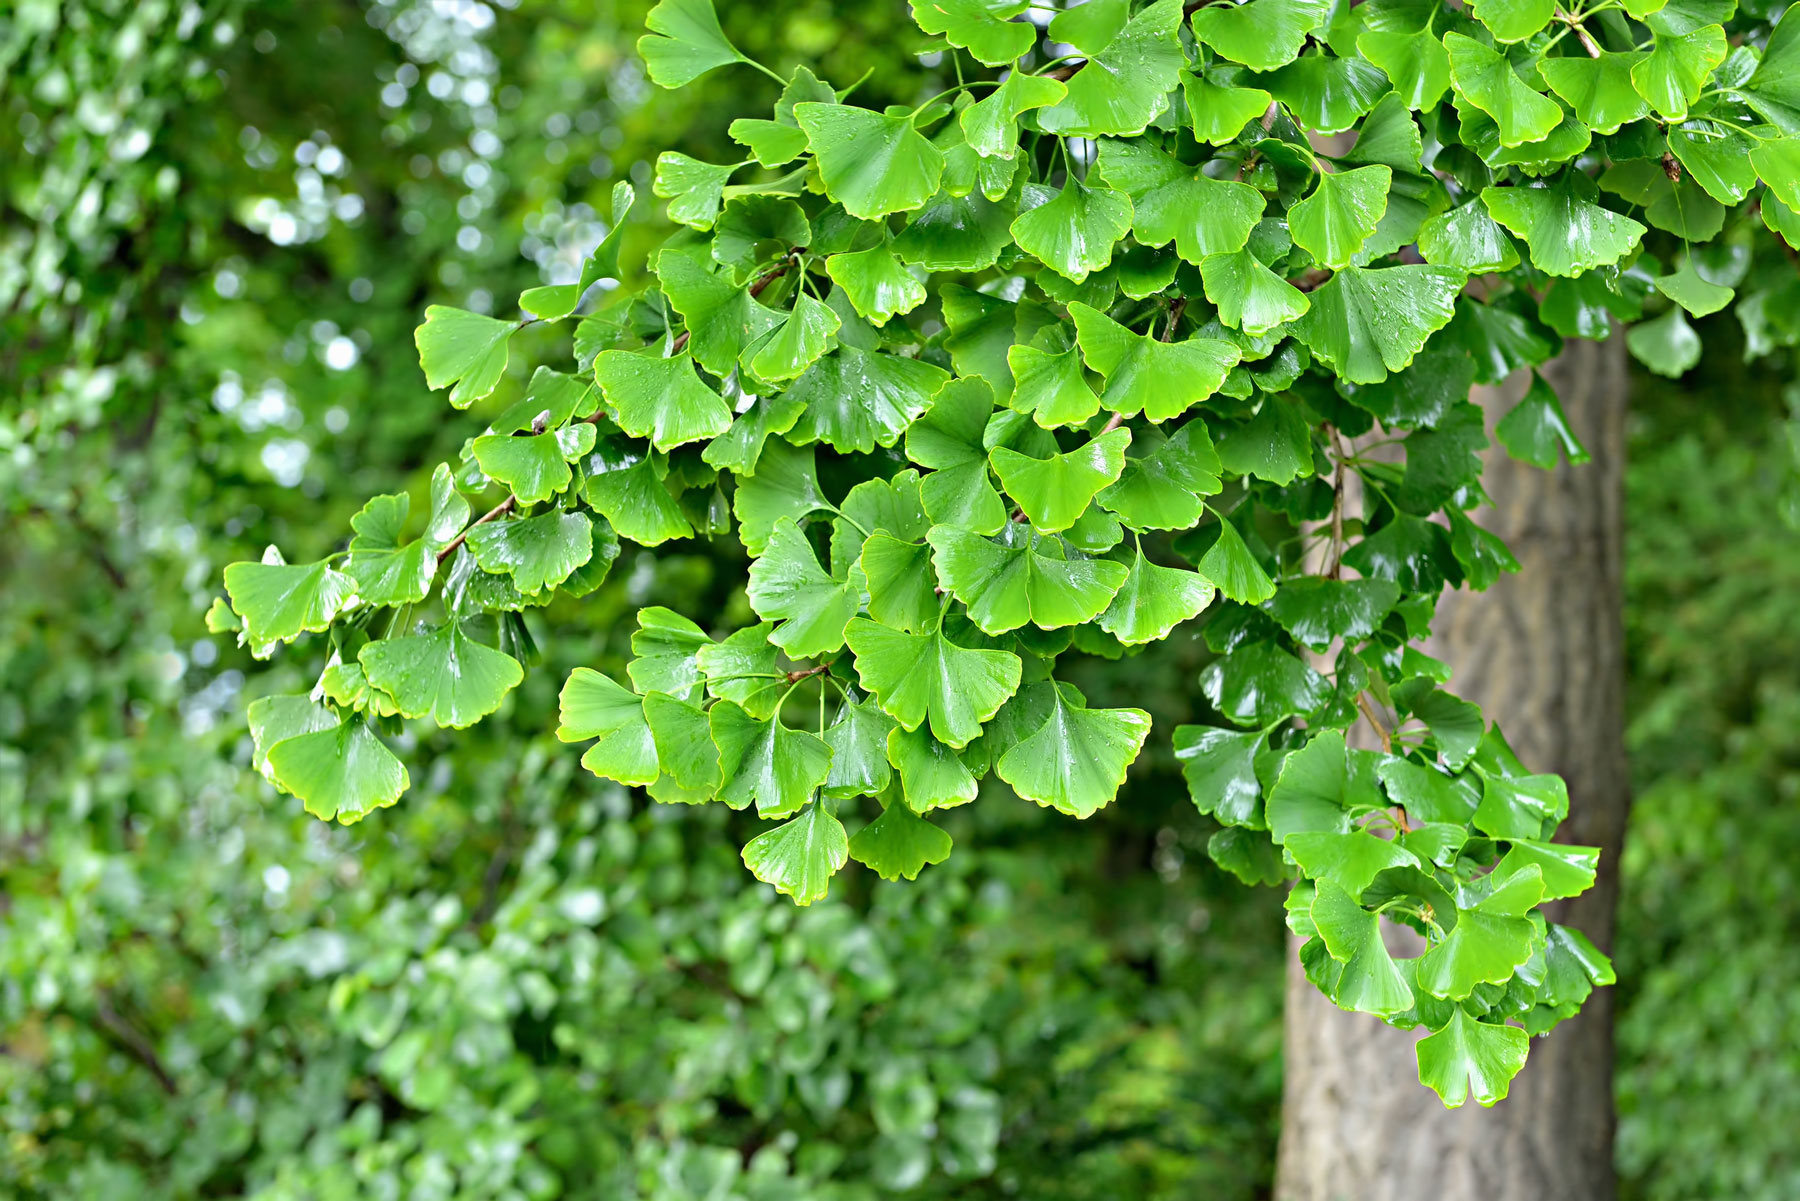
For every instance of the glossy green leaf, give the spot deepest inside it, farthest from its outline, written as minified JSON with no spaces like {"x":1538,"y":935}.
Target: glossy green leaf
{"x":1485,"y":79}
{"x":957,"y":233}
{"x":1164,"y":479}
{"x":982,"y":27}
{"x":1121,"y":87}
{"x":1366,"y":323}
{"x":537,"y":552}
{"x":462,"y":348}
{"x":685,"y":42}
{"x":659,"y":398}
{"x":1700,"y":297}
{"x":1261,"y":34}
{"x":1233,"y":570}
{"x":1152,"y":600}
{"x":1673,"y":75}
{"x":948,"y":439}
{"x":1022,"y":577}
{"x":932,"y":775}
{"x":279,"y":602}
{"x":1220,"y":769}
{"x":1468,"y":1055}
{"x":1173,"y":202}
{"x":1777,"y":164}
{"x":1492,"y":937}
{"x":1318,"y":611}
{"x":1076,"y":761}
{"x":1260,"y":683}
{"x":1721,"y":159}
{"x":859,"y":758}
{"x":1073,"y":231}
{"x":594,"y":706}
{"x":796,"y":344}
{"x":1219,"y":113}
{"x":1467,"y":238}
{"x":1567,"y":871}
{"x":786,"y":484}
{"x":872,"y":164}
{"x":762,"y":761}
{"x":663,"y":650}
{"x":722,"y":319}
{"x":1414,"y":61}
{"x":695,"y":190}
{"x":445,"y":674}
{"x":1667,"y":345}
{"x":1249,"y":296}
{"x":1537,"y":428}
{"x":1309,"y":793}
{"x":902,"y":583}
{"x":344,"y":772}
{"x":1346,"y":860}
{"x":1514,"y":20}
{"x":876,"y":282}
{"x":1053,"y":492}
{"x":388,"y":571}
{"x":799,"y":857}
{"x":898,"y":844}
{"x":1340,"y":213}
{"x":1773,"y":89}
{"x":631,"y":495}
{"x":1326,"y":94}
{"x":1370,"y":981}
{"x":921,"y":676}
{"x":1600,"y":89}
{"x":1053,"y":388}
{"x":788,"y":585}
{"x":744,"y":667}
{"x":856,"y":400}
{"x":1145,"y":374}
{"x":992,"y":125}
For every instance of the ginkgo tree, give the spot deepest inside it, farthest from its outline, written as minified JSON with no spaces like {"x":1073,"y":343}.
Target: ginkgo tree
{"x":1161,"y":318}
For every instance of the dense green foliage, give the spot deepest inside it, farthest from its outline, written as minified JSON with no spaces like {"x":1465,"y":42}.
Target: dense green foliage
{"x":524,"y":981}
{"x":1042,"y":367}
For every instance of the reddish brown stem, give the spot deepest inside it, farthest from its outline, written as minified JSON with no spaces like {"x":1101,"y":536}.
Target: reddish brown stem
{"x":499,"y":510}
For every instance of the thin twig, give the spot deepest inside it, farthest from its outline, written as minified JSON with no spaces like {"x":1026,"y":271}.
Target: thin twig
{"x":794,"y":677}
{"x":1381,"y":731}
{"x":499,"y":510}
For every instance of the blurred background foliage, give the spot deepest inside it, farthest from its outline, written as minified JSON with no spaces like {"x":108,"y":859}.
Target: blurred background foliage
{"x":219,"y":223}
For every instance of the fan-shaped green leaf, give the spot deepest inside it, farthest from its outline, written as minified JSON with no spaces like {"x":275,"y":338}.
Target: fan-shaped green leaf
{"x":992,"y":125}
{"x":279,"y":602}
{"x":800,"y":857}
{"x":877,"y":283}
{"x":1144,"y":374}
{"x":389,"y":572}
{"x":920,"y":676}
{"x":1600,"y":88}
{"x":858,"y":742}
{"x":1340,"y":213}
{"x":631,"y":495}
{"x":462,"y":348}
{"x":537,"y":552}
{"x":1370,"y":981}
{"x":872,"y":163}
{"x":786,"y":484}
{"x":1367,"y":322}
{"x":694,"y":189}
{"x":1174,"y":202}
{"x":1568,"y":233}
{"x":1466,"y":1055}
{"x":1055,"y":491}
{"x":1492,"y":938}
{"x":1249,"y":296}
{"x":1164,"y":479}
{"x":898,"y":844}
{"x":1484,"y":79}
{"x":1122,"y":85}
{"x":1676,"y":71}
{"x":595,"y":706}
{"x":932,"y":776}
{"x":982,"y":27}
{"x":1021,"y":577}
{"x":685,"y":43}
{"x":1261,"y":34}
{"x":762,"y":761}
{"x":948,"y":439}
{"x":344,"y":772}
{"x":445,"y":673}
{"x":1467,"y":239}
{"x":1072,"y":231}
{"x":1076,"y":761}
{"x":1219,"y":113}
{"x":1233,"y":570}
{"x":787,"y":584}
{"x":1152,"y":600}
{"x":1413,"y":60}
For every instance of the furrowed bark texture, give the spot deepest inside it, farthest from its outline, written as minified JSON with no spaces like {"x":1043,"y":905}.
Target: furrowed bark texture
{"x":1542,"y":652}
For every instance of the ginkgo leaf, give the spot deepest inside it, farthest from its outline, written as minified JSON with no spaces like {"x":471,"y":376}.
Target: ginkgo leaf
{"x":872,"y":164}
{"x":1340,"y":213}
{"x":1777,"y":163}
{"x":344,"y":772}
{"x":1261,"y":34}
{"x":532,"y":467}
{"x":1145,"y":374}
{"x":787,"y":584}
{"x":1468,"y":239}
{"x":786,"y":484}
{"x":992,"y":125}
{"x":1537,"y":428}
{"x":859,"y":755}
{"x":1072,"y":231}
{"x":899,"y":844}
{"x":753,"y":229}
{"x":1567,"y":871}
{"x":462,"y":348}
{"x":877,"y":283}
{"x":770,"y":143}
{"x":389,"y":572}
{"x":1367,"y":322}
{"x":279,"y":602}
{"x":1700,"y":297}
{"x":684,"y":747}
{"x":1165,"y":478}
{"x":695,"y":190}
{"x":1773,"y":89}
{"x":1220,"y":769}
{"x":593,"y":705}
{"x":948,"y":439}
{"x":1319,"y":611}
{"x":982,"y":27}
{"x":799,"y":857}
{"x":1053,"y":388}
{"x":1514,"y":20}
{"x":1414,"y":61}
{"x":856,"y":400}
{"x":1485,"y":79}
{"x":762,"y":761}
{"x":1248,"y":295}
{"x":275,"y":719}
{"x":1175,"y":202}
{"x":902,"y":582}
{"x":1467,"y":1055}
{"x":1677,"y":69}
{"x":743,"y":667}
{"x":1326,"y":94}
{"x":663,"y":650}
{"x":1599,"y":88}
{"x":957,"y":233}
{"x":1152,"y":600}
{"x":1122,"y":86}
{"x":1275,"y":444}
{"x":921,"y":676}
{"x":537,"y":552}
{"x":1021,"y":577}
{"x":1055,"y":491}
{"x":1233,"y":570}
{"x":738,"y":448}
{"x":1568,"y":234}
{"x":1370,"y":981}
{"x":1492,"y":937}
{"x":797,"y":343}
{"x":630,"y":494}
{"x":685,"y":43}
{"x":1721,"y":159}
{"x":1346,"y":859}
{"x":1076,"y":761}
{"x":445,"y":674}
{"x":932,"y":775}
{"x":1219,"y":113}
{"x":722,"y":317}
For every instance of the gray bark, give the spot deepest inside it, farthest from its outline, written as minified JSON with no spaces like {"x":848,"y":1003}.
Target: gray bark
{"x":1542,"y":652}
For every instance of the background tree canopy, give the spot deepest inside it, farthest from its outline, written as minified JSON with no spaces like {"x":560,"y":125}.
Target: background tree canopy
{"x":222,"y":223}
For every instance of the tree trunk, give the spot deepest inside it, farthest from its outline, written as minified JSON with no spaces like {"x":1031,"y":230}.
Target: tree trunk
{"x":1542,"y":652}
